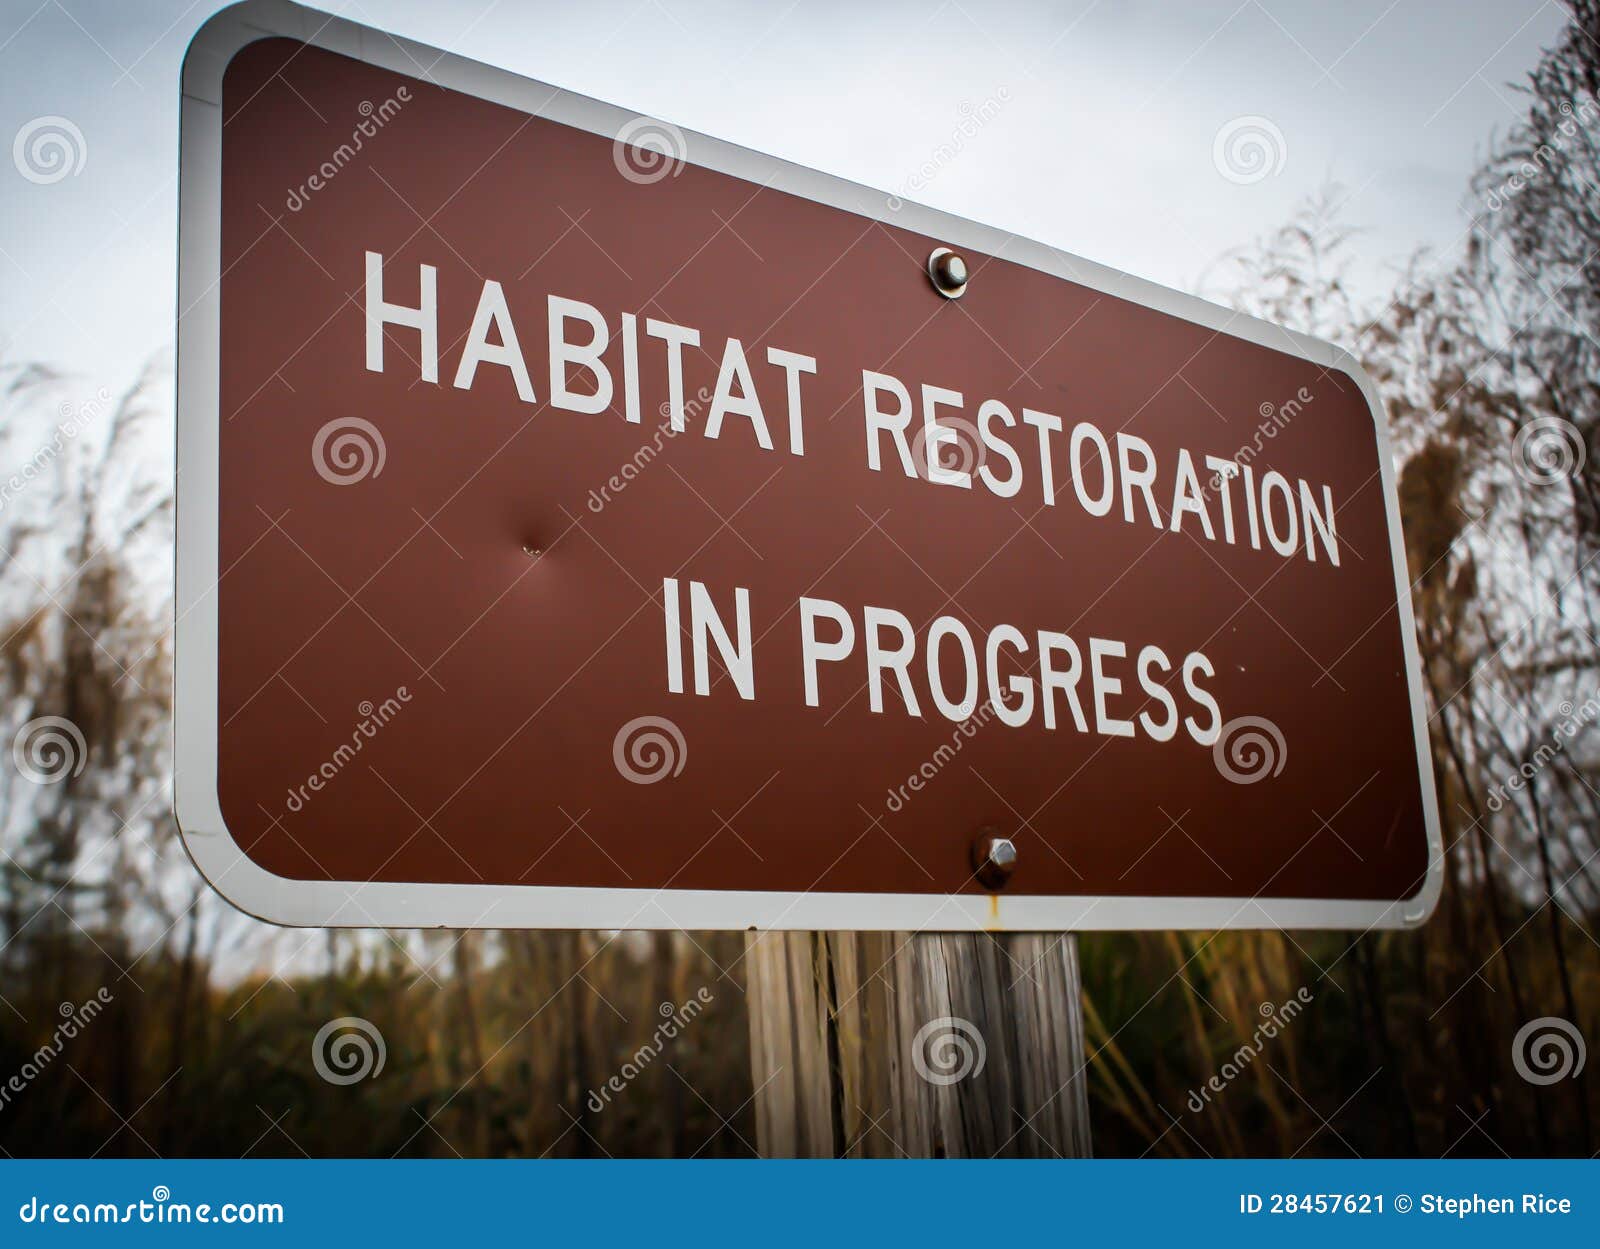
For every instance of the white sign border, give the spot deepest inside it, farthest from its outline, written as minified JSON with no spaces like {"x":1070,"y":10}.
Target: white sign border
{"x":282,"y":900}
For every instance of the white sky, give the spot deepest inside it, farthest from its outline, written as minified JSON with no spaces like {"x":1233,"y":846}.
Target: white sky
{"x":1102,"y":145}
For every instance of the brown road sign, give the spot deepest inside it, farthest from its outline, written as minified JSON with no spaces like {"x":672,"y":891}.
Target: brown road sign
{"x":583,"y":522}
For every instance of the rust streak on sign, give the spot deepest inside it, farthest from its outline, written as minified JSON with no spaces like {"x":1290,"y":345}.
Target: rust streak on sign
{"x":604,"y":525}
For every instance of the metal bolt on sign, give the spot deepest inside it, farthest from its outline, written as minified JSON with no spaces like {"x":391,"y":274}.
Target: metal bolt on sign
{"x":993,"y":859}
{"x":948,"y":272}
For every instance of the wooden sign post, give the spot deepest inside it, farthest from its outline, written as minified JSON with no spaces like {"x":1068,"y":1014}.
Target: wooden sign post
{"x":894,"y":1045}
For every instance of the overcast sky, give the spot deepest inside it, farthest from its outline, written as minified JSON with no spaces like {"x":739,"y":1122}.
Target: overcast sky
{"x":1104,"y":118}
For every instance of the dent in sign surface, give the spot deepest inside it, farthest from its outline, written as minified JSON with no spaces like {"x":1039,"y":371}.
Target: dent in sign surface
{"x":498,"y":764}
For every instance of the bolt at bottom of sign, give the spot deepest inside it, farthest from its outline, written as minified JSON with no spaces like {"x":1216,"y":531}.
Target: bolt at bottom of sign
{"x":994,"y":858}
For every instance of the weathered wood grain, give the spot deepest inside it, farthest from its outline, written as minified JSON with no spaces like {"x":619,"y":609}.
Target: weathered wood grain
{"x":917,"y":1045}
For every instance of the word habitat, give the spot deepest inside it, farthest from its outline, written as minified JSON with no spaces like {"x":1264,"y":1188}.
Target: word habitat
{"x":593,"y":366}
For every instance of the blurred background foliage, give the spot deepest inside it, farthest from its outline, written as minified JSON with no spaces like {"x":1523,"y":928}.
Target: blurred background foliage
{"x":494,"y":1041}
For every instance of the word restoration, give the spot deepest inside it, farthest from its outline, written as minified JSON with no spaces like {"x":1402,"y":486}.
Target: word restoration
{"x":623,"y":529}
